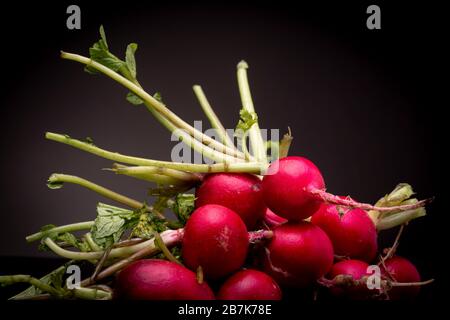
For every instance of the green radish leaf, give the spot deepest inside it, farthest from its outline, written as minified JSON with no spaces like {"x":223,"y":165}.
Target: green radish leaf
{"x":104,"y":57}
{"x":247,"y":120}
{"x":149,"y":222}
{"x":99,"y":52}
{"x":73,"y":241}
{"x":56,"y":279}
{"x":47,"y":227}
{"x":103,"y":41}
{"x":158,"y":96}
{"x":89,"y":140}
{"x":90,"y":70}
{"x":402,"y":192}
{"x":55,"y":184}
{"x":134,"y":99}
{"x":183,"y":206}
{"x":111,"y":223}
{"x":130,"y":59}
{"x":49,"y":279}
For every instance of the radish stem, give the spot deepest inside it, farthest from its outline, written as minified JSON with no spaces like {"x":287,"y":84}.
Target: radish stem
{"x":348,"y":202}
{"x":212,"y":117}
{"x":61,"y":229}
{"x":91,"y":294}
{"x":115,"y":253}
{"x":157,"y":174}
{"x":61,"y":178}
{"x":153,"y":103}
{"x":400,"y":218}
{"x":285,"y":144}
{"x":164,"y":249}
{"x":7,"y":280}
{"x":170,"y":238}
{"x":256,"y":140}
{"x":94,"y":246}
{"x":250,"y":167}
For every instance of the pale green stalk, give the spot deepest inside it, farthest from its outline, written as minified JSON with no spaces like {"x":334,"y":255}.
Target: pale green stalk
{"x":256,"y":140}
{"x":153,"y":103}
{"x":251,"y":167}
{"x":212,"y":117}
{"x":61,"y":229}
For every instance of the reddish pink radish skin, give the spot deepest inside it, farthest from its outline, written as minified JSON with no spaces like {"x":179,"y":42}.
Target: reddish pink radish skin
{"x":298,"y":254}
{"x":401,"y":270}
{"x":272,"y":219}
{"x":216,"y":239}
{"x":351,"y":231}
{"x":240,"y":192}
{"x":249,"y":285}
{"x":355,"y":268}
{"x":286,"y":184}
{"x":155,"y":279}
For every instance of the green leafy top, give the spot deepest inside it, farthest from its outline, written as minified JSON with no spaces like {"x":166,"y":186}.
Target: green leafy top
{"x":111,"y":223}
{"x":54,"y":279}
{"x":65,"y":237}
{"x":246,"y":120}
{"x":183,"y":206}
{"x":100,"y":53}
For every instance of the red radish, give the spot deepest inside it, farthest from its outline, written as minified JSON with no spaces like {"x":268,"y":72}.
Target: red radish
{"x":298,"y":254}
{"x":155,"y":279}
{"x":293,"y":188}
{"x":216,"y":239}
{"x":249,"y":285}
{"x":354,"y":268}
{"x":240,"y":192}
{"x":286,"y":187}
{"x":272,"y":219}
{"x":351,"y":231}
{"x":401,"y":270}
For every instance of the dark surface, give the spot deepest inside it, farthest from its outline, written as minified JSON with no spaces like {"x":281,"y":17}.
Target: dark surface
{"x":363,"y":105}
{"x":38,"y":267}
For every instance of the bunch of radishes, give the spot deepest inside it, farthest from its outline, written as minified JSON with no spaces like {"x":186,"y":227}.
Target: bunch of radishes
{"x":292,"y":252}
{"x":256,"y":227}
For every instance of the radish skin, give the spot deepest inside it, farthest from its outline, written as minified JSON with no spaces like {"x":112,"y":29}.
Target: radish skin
{"x":401,"y":270}
{"x":155,"y":279}
{"x":240,"y":192}
{"x":298,"y":254}
{"x":351,"y":231}
{"x":249,"y":285}
{"x":216,"y":239}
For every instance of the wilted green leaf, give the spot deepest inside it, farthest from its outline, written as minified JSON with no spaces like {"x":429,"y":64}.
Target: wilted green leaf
{"x":134,"y":99}
{"x":183,"y":206}
{"x":247,"y":120}
{"x":55,"y":275}
{"x":110,"y":224}
{"x":158,"y":96}
{"x":73,"y":241}
{"x":103,"y":41}
{"x":89,"y":140}
{"x":54,"y":184}
{"x":130,"y":59}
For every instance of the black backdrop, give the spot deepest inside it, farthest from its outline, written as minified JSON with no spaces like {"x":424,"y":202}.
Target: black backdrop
{"x":362,"y":104}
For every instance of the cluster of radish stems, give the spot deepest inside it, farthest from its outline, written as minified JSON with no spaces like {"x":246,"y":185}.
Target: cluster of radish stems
{"x":224,"y":153}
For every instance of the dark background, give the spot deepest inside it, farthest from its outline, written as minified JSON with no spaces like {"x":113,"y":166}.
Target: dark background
{"x":362,"y":104}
